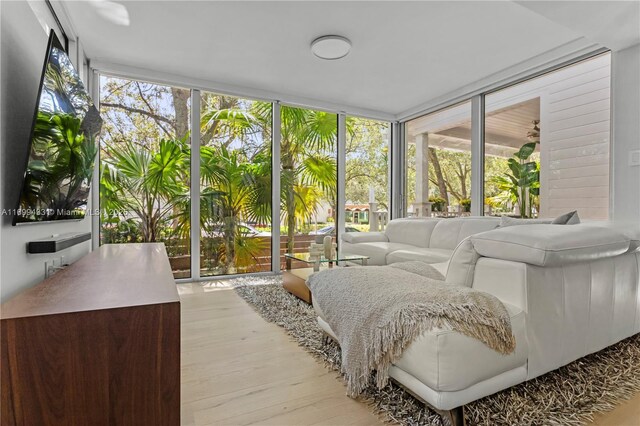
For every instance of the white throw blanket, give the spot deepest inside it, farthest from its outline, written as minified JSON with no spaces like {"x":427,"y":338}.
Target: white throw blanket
{"x":377,"y":311}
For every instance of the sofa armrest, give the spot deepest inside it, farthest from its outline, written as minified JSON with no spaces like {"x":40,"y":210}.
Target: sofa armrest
{"x":504,"y":279}
{"x":364,"y":237}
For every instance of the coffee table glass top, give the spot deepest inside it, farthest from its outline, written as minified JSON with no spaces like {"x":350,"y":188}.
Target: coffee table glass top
{"x":341,"y":257}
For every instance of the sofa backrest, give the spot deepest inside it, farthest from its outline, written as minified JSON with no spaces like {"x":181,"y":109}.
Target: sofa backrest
{"x":448,"y":233}
{"x":551,"y":245}
{"x":413,"y":231}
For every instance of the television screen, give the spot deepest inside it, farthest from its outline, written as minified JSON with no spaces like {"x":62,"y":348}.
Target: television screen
{"x":62,"y":148}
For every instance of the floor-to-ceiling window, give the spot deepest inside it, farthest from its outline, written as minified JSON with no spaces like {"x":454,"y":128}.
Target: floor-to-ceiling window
{"x":308,"y":177}
{"x":547,"y":144}
{"x":144,"y":167}
{"x":145,"y":174}
{"x":367,"y":175}
{"x":235,"y":185}
{"x":438,"y":162}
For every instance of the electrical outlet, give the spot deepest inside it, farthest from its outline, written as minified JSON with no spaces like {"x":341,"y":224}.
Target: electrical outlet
{"x":634,"y":158}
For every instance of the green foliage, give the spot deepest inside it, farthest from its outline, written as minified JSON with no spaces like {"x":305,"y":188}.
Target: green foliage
{"x":233,"y":189}
{"x":437,"y":203}
{"x":367,"y":166}
{"x":521,"y":186}
{"x":148,"y":184}
{"x":60,"y":166}
{"x":308,"y":165}
{"x":144,"y":175}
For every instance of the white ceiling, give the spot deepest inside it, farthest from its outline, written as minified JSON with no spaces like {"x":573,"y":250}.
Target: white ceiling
{"x":614,"y":24}
{"x":404,"y":53}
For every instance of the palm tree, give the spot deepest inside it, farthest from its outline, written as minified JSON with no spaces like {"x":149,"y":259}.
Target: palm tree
{"x":308,"y":139}
{"x":152,"y":184}
{"x":148,"y":184}
{"x":233,"y":190}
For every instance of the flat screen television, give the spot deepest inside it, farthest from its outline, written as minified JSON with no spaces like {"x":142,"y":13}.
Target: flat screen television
{"x":62,"y":145}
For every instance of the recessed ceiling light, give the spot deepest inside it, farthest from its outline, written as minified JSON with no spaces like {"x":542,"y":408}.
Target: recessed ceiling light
{"x":331,"y":47}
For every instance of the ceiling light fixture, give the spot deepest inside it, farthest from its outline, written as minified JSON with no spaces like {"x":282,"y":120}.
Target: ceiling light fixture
{"x":331,"y":47}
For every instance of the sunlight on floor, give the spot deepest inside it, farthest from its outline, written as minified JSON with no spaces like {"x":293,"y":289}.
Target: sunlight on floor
{"x":203,"y":287}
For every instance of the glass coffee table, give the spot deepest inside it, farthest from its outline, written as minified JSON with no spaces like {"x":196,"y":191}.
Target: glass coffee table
{"x":316,"y":261}
{"x":295,"y":280}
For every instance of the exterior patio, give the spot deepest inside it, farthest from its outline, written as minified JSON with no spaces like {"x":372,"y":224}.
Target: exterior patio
{"x":572,"y":107}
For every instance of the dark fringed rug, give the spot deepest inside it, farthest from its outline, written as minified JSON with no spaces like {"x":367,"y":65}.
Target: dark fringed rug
{"x":567,"y":396}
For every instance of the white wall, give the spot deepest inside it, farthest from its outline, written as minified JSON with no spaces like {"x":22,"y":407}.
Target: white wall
{"x":626,"y":134}
{"x":24,"y":42}
{"x":575,"y":141}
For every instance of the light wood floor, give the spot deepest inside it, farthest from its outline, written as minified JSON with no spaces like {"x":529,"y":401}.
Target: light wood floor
{"x":238,"y":369}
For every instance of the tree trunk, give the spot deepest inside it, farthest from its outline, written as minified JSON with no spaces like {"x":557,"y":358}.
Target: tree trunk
{"x":442,"y":186}
{"x":291,"y":216}
{"x":462,"y":177}
{"x":180,"y":104}
{"x":224,"y":102}
{"x":334,"y":214}
{"x":230,"y":242}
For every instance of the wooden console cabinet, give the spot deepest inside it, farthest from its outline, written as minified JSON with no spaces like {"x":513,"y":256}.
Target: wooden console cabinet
{"x":95,"y":344}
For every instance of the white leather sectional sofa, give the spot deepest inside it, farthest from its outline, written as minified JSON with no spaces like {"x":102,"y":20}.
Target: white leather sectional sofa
{"x":427,"y":240}
{"x":571,"y":290}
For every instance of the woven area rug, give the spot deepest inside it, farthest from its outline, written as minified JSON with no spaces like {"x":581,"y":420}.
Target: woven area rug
{"x":567,"y":396}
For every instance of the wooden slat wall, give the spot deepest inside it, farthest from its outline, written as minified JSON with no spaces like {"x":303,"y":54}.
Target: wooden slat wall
{"x":574,"y":136}
{"x":575,"y":141}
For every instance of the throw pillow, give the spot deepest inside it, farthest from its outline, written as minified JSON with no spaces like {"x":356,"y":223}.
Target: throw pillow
{"x":570,"y":218}
{"x":463,"y":263}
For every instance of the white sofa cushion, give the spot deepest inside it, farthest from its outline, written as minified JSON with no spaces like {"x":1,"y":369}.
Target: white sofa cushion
{"x":377,"y":251}
{"x":419,"y":268}
{"x":446,"y":360}
{"x":514,"y":221}
{"x":364,"y":237}
{"x":462,"y":264}
{"x":415,"y":232}
{"x":550,"y":245}
{"x":426,"y":255}
{"x":629,"y":230}
{"x":449,"y":232}
{"x":441,"y":267}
